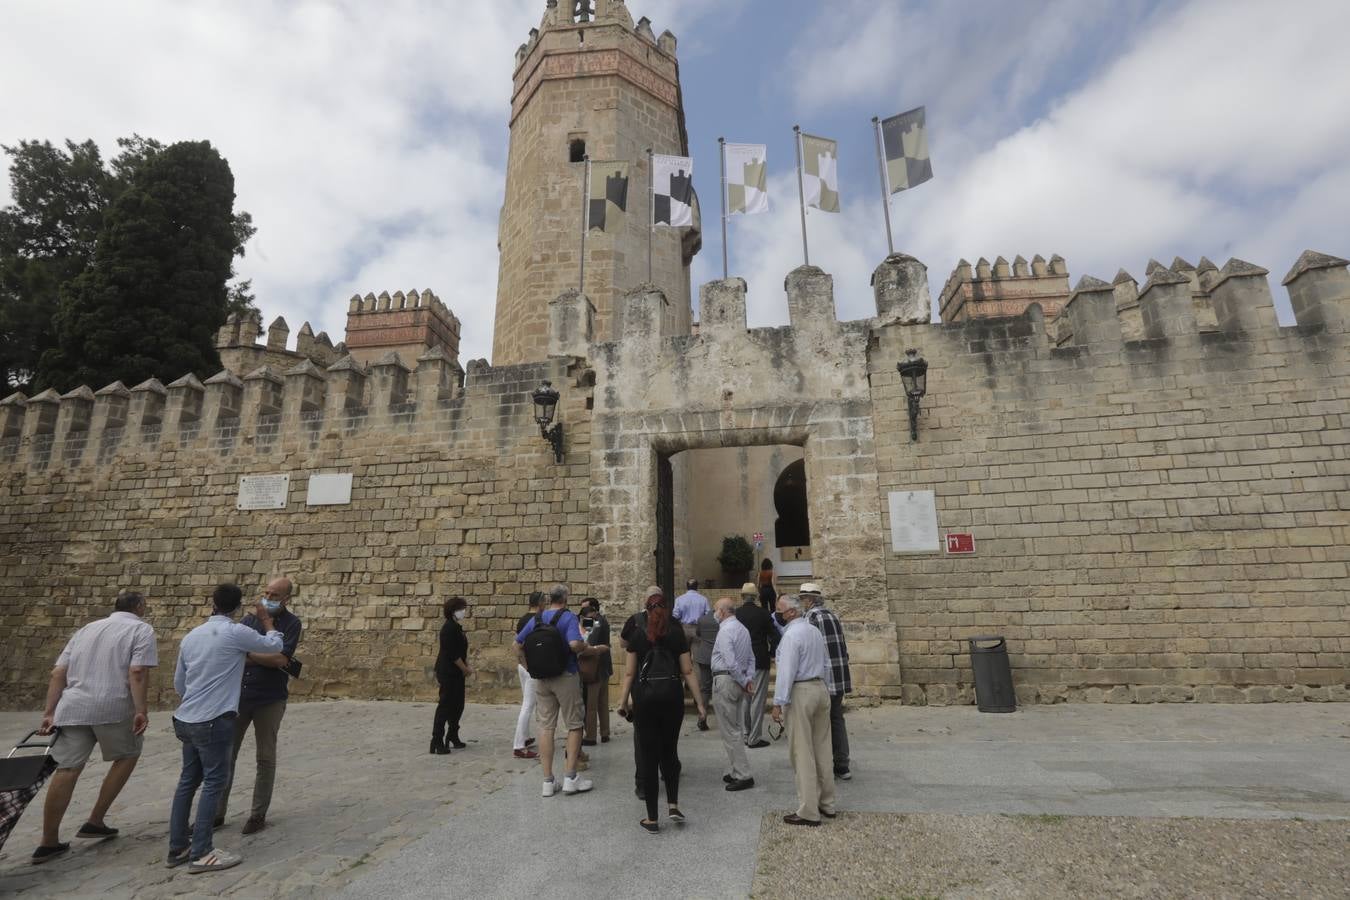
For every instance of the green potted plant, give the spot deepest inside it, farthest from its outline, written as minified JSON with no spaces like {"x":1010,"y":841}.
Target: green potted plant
{"x":737,"y":559}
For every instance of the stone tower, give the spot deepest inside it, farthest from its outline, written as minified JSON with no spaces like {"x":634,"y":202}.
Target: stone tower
{"x":588,"y":82}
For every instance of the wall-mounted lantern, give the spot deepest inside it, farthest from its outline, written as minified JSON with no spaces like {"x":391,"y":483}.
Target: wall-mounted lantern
{"x":545,"y":403}
{"x":914,"y":377}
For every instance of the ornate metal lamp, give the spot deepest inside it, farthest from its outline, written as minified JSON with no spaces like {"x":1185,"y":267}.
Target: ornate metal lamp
{"x":914,"y":377}
{"x":545,"y":400}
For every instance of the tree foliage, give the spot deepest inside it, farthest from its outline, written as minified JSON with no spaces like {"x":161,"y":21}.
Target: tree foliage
{"x":157,"y":291}
{"x":49,"y":236}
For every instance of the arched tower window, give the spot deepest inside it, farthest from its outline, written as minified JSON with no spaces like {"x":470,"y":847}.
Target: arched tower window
{"x":792,"y":528}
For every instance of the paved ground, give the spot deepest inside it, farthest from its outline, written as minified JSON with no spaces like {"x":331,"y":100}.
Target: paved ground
{"x":362,"y":811}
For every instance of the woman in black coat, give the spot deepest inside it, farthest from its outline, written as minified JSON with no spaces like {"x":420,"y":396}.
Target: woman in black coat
{"x":452,"y":667}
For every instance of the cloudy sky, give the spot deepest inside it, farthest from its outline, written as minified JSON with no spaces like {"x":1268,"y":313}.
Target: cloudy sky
{"x":369,"y":140}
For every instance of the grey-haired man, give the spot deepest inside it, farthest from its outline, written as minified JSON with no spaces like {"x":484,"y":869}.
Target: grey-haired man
{"x":838,"y":680}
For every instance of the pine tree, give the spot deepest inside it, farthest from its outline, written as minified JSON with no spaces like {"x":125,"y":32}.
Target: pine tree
{"x":157,"y":290}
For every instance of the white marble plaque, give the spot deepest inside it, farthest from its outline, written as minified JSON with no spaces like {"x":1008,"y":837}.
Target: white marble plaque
{"x":914,"y":525}
{"x":329,"y":490}
{"x":263,"y":491}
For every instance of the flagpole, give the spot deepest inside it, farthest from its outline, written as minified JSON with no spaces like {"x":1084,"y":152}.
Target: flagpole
{"x":722,"y":146}
{"x":885,"y":186}
{"x":801,"y":191}
{"x":651,"y":209}
{"x":585,"y":220}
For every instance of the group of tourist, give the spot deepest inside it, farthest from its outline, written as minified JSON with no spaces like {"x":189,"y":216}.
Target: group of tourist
{"x":721,"y":652}
{"x":230,"y":676}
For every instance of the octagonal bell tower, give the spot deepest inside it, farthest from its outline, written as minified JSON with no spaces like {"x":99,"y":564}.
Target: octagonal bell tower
{"x":588,"y":82}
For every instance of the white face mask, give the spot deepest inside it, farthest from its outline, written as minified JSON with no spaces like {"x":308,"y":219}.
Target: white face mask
{"x":459,"y":615}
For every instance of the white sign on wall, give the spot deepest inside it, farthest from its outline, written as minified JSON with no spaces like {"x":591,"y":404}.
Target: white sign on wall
{"x":914,"y":525}
{"x":329,"y":490}
{"x":263,"y":491}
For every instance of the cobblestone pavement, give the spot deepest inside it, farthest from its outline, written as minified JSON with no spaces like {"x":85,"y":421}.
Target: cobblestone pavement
{"x":354,"y":785}
{"x":361,"y":810}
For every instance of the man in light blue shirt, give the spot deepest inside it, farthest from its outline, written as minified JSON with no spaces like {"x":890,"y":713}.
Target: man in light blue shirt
{"x":690,"y":607}
{"x":800,"y":688}
{"x":208,"y":678}
{"x":733,"y":674}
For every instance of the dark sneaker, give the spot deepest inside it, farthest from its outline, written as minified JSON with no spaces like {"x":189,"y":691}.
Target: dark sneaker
{"x":177,"y":858}
{"x":649,"y":827}
{"x":843,"y":774}
{"x":758,"y":745}
{"x":587,"y":742}
{"x":675,"y":815}
{"x":794,"y":819}
{"x":253,"y":825}
{"x":457,"y":744}
{"x":47,"y":854}
{"x":90,"y":830}
{"x":727,"y":779}
{"x":524,"y":754}
{"x":741,"y":785}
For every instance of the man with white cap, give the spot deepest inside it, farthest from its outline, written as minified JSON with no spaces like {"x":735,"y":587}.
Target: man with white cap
{"x":837,"y":677}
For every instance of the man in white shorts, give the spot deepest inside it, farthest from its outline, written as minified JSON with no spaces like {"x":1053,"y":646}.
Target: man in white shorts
{"x":97,"y":695}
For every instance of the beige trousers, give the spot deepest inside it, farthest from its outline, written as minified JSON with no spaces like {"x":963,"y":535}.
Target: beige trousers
{"x":808,"y":728}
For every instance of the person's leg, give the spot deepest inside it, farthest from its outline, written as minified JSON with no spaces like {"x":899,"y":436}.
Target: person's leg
{"x":801,"y":751}
{"x":647,"y":736}
{"x":573,"y":751}
{"x":266,"y":728}
{"x":838,"y":734}
{"x":525,"y":719}
{"x":59,"y":791}
{"x":820,"y":739}
{"x":188,"y":781}
{"x":754,"y":726}
{"x":456,"y":712}
{"x":546,"y":715}
{"x":592,"y":710}
{"x":214,"y":743}
{"x":439,"y":719}
{"x":113,"y":782}
{"x":727,"y":705}
{"x":602,"y":708}
{"x":705,"y":684}
{"x":671,"y":720}
{"x":568,"y":690}
{"x":241,"y":723}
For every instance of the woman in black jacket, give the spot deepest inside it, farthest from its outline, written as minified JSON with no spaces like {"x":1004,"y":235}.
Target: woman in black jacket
{"x":452,"y":667}
{"x":658,"y":661}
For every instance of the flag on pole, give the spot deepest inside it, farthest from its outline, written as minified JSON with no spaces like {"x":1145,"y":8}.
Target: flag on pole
{"x":820,"y":172}
{"x":906,"y":140}
{"x":747,"y":179}
{"x":609,"y":196}
{"x":673,"y":190}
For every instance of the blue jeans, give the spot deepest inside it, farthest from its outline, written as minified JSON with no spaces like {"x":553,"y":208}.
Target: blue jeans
{"x":206,"y":763}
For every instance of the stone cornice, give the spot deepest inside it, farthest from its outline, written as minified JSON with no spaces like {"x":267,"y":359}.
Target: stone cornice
{"x":600,"y":62}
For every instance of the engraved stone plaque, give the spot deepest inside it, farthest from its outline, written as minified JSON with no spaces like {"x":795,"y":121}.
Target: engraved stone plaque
{"x":263,"y":491}
{"x":914,"y":526}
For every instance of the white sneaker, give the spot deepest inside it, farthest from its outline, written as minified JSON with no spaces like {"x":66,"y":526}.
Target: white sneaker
{"x":550,"y":787}
{"x":577,"y":785}
{"x":215,"y":861}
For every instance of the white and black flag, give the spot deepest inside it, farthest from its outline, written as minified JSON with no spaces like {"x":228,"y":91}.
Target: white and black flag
{"x":673,"y":190}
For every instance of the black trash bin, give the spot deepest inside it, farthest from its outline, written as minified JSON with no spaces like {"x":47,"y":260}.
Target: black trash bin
{"x":993,"y":675}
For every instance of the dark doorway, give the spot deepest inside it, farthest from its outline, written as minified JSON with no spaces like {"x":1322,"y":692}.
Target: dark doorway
{"x":792,"y":528}
{"x":665,"y":525}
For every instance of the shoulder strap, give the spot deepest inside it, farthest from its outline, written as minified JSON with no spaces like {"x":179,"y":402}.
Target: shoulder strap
{"x":561,"y":613}
{"x":539,"y":618}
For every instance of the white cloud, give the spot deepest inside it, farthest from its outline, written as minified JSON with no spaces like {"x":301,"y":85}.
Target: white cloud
{"x":1212,"y":132}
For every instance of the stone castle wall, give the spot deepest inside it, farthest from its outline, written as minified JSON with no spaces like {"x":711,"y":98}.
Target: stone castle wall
{"x":1159,"y":519}
{"x":454,"y":492}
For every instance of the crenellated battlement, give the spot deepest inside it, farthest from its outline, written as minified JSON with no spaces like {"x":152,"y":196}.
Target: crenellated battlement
{"x":269,"y":411}
{"x":240,"y":351}
{"x":407,"y":324}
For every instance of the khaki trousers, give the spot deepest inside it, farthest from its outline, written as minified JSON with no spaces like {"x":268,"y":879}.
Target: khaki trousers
{"x":266,"y":722}
{"x":727,"y":696}
{"x":597,"y":709}
{"x":808,"y":728}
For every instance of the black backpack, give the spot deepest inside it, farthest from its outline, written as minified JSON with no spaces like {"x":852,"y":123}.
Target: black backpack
{"x":544,"y":647}
{"x":658,"y":676}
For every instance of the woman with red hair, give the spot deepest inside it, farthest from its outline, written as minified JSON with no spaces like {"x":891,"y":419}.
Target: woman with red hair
{"x":658,"y":667}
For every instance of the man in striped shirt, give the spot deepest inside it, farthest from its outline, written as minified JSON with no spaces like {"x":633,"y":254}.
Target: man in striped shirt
{"x":838,"y":680}
{"x":97,"y":695}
